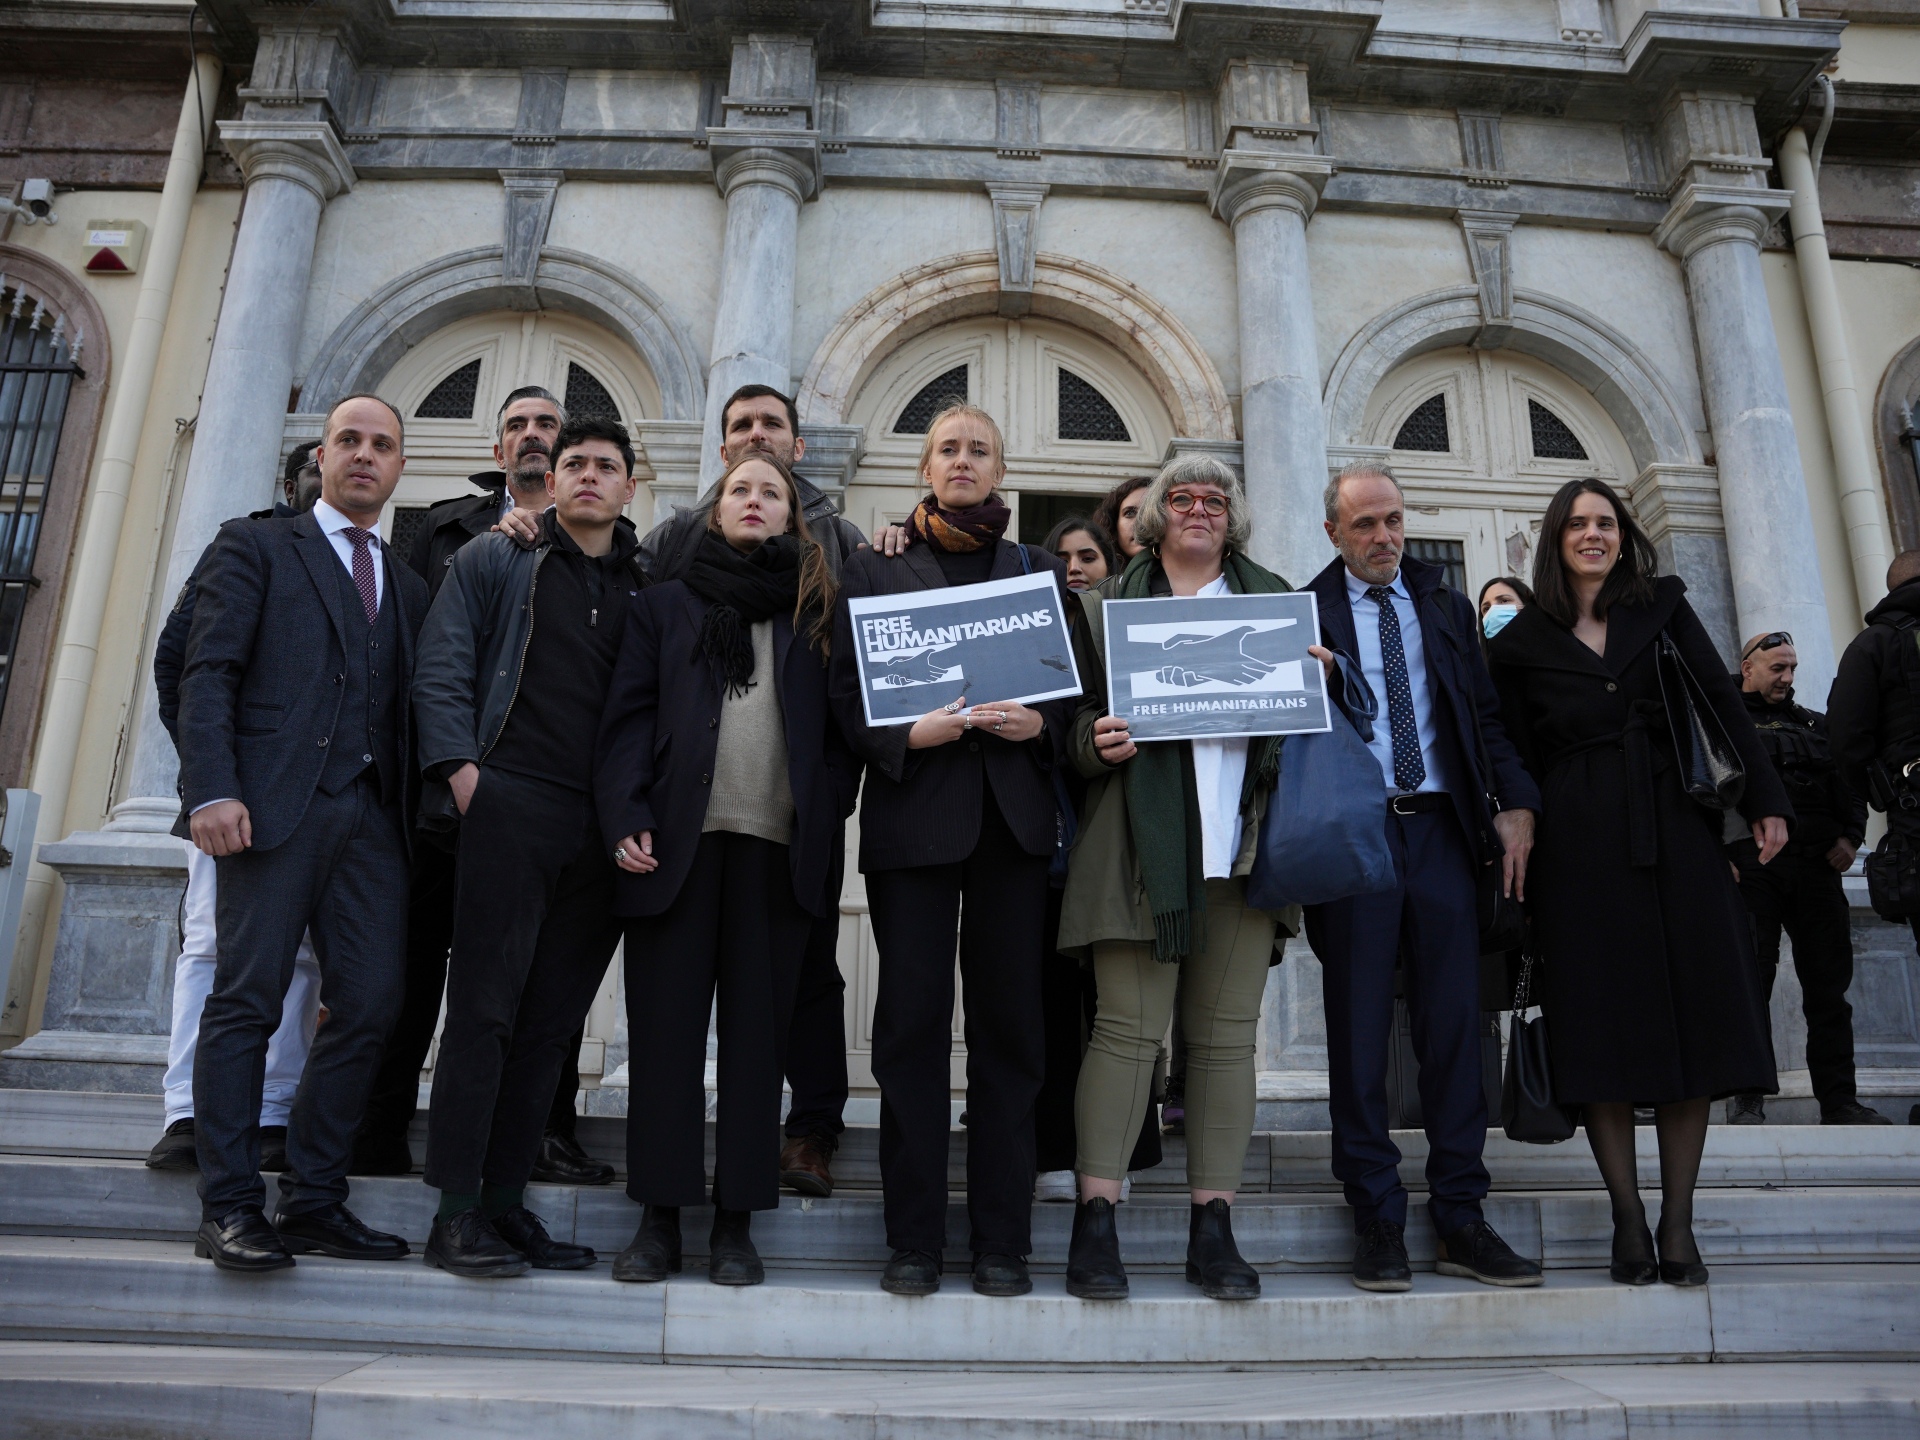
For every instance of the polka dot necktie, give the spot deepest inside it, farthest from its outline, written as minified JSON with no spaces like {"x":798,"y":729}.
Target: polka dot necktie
{"x":1409,"y":770}
{"x":364,"y":582}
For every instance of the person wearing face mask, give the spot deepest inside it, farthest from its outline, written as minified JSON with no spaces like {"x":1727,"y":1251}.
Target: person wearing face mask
{"x":722,"y":780}
{"x":958,"y":807}
{"x":1648,"y":979}
{"x":1501,"y":599}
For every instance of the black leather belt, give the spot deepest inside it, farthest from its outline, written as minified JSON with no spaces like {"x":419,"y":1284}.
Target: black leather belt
{"x":1422,"y":803}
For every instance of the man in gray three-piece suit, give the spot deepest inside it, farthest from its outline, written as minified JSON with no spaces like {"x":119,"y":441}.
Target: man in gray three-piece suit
{"x":296,"y":774}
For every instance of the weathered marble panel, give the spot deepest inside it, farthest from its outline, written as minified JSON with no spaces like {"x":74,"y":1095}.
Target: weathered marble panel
{"x":631,"y":100}
{"x":904,"y":110}
{"x":1366,"y":264}
{"x":1394,"y":137}
{"x":1135,"y":120}
{"x":1499,"y":19}
{"x":1563,"y":149}
{"x":451,"y":99}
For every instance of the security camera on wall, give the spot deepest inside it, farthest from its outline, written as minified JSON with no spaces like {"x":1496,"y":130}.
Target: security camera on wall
{"x":35,"y":205}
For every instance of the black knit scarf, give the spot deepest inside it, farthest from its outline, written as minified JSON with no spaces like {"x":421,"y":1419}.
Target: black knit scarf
{"x":741,"y":590}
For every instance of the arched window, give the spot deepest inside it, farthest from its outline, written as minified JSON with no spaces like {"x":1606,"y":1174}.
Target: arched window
{"x":1425,"y":428}
{"x":587,"y":398}
{"x":932,"y":398}
{"x":452,"y":398}
{"x":1086,"y":414}
{"x":1552,"y":439}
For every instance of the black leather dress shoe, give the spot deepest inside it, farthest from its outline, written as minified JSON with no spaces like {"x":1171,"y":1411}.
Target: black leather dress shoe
{"x":911,"y":1272}
{"x":1852,"y":1112}
{"x":1380,"y":1258}
{"x":1476,"y":1252}
{"x":525,"y":1232}
{"x":381,"y":1155}
{"x":1001,"y":1275}
{"x":242,"y":1240}
{"x":1213,"y":1259}
{"x":273,"y":1149}
{"x":337,"y":1231}
{"x":561,"y":1161}
{"x":732,"y":1258}
{"x":175,"y":1150}
{"x":654,"y":1252}
{"x":1094,"y":1271}
{"x":467,"y":1245}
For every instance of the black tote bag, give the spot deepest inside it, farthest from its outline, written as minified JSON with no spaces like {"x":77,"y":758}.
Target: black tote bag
{"x":1710,"y":767}
{"x":1528,"y":1111}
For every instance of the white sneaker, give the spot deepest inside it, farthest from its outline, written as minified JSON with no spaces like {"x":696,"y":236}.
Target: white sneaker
{"x":1055,"y":1185}
{"x":1126,"y":1188}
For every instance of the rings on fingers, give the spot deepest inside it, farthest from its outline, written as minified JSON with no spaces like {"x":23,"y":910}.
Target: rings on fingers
{"x":954,"y":707}
{"x":966,"y":722}
{"x":619,"y":853}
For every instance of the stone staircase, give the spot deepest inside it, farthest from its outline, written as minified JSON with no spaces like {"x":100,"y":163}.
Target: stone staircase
{"x":112,"y":1328}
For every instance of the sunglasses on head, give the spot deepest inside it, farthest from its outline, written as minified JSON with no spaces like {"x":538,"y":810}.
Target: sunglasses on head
{"x":1182,"y":501}
{"x":1772,"y":641}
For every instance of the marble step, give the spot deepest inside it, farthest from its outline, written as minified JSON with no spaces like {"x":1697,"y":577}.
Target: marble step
{"x":1277,"y":1232}
{"x":145,"y":1290}
{"x":85,"y":1123}
{"x":88,"y":1391}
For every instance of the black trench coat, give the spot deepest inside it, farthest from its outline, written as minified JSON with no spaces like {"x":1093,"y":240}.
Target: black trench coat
{"x":1648,"y":978}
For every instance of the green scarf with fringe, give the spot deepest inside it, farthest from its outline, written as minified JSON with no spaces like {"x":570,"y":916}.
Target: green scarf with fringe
{"x":1163,"y":805}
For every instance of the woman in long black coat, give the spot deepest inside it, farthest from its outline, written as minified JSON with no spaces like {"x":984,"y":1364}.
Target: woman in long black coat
{"x":1648,"y":979}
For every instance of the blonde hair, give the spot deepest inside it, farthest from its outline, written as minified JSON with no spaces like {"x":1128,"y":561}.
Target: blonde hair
{"x":961,"y":410}
{"x":816,"y":578}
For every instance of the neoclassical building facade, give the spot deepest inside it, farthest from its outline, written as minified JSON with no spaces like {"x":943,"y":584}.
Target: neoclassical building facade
{"x":1496,"y":242}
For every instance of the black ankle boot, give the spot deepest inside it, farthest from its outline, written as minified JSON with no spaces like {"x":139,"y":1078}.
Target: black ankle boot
{"x":654,"y":1252}
{"x":1094,"y":1271}
{"x":1213,"y":1260}
{"x":731,"y":1258}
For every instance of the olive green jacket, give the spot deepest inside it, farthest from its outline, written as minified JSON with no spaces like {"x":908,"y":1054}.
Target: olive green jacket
{"x":1105,"y":897}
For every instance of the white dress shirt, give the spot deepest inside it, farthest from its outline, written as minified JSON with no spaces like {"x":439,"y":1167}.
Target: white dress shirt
{"x":1366,"y":625}
{"x":332,"y":523}
{"x":1219,"y":771}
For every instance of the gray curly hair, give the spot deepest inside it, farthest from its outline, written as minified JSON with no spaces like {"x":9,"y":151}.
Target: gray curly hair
{"x":1151,"y":528}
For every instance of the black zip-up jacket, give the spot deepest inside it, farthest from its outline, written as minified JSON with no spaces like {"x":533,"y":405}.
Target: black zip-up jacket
{"x":1796,"y":741}
{"x":1873,"y":710}
{"x":452,"y":523}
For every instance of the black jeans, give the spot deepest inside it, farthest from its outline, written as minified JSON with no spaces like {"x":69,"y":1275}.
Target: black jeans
{"x":533,"y":934}
{"x":342,"y":874}
{"x":817,"y":1046}
{"x":1802,"y":894}
{"x":734,"y":926}
{"x":916,"y":915}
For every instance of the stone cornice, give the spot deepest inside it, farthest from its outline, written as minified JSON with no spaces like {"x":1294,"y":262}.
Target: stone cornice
{"x":304,"y":151}
{"x":1247,"y":181}
{"x":1703,"y":215}
{"x":789,"y":159}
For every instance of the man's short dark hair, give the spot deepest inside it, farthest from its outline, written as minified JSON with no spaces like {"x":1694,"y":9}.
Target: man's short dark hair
{"x":398,"y":424}
{"x":755,"y":392}
{"x":592,"y":427}
{"x":1905,"y":567}
{"x":298,"y":459}
{"x":528,"y":392}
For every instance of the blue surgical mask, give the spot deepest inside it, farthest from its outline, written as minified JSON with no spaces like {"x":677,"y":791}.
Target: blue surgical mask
{"x":1496,"y":618}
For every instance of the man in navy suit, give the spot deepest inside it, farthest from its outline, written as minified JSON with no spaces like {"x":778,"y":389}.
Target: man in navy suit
{"x":295,"y":767}
{"x":1448,"y":816}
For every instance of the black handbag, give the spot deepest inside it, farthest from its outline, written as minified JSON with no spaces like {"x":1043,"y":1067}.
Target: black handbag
{"x":1893,"y":878}
{"x":1404,"y":1110}
{"x":1503,"y":921}
{"x":1528,"y":1111}
{"x":1710,"y":767}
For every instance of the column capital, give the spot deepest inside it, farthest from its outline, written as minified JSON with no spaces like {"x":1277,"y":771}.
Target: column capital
{"x":1703,"y":215}
{"x":788,"y":159}
{"x":1247,"y":181}
{"x":306,"y":152}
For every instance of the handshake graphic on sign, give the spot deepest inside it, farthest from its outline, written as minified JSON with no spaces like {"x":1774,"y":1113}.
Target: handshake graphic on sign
{"x":1238,"y":657}
{"x":924,"y":668}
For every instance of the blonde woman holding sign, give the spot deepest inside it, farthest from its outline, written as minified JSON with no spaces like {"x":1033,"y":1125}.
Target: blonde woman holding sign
{"x":958,"y":807}
{"x":1157,"y":887}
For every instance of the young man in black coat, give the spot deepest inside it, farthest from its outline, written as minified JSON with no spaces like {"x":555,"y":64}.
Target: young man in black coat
{"x":295,"y":773}
{"x":1437,"y":731}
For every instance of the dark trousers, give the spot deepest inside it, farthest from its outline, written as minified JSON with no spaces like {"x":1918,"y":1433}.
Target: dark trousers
{"x":1802,"y":895}
{"x":817,"y":1046}
{"x":532,"y":937}
{"x":1430,"y":923}
{"x":735,"y":928}
{"x":343,"y":875}
{"x":996,"y":902}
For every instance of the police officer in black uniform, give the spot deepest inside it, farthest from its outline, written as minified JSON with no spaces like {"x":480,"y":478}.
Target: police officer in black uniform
{"x":1800,"y":891}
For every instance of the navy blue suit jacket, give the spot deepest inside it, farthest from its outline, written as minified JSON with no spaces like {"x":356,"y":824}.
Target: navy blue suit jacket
{"x":1463,"y":696}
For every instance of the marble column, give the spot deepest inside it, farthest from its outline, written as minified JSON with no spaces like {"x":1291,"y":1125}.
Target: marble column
{"x":1716,"y":234}
{"x":1267,"y":199}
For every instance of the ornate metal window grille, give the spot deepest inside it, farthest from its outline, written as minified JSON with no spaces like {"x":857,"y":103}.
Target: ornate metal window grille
{"x":38,"y":365}
{"x":1449,"y":555}
{"x":934,"y":396}
{"x":1426,"y":428}
{"x":1086,"y":414}
{"x":587,"y":398}
{"x":453,"y":397}
{"x":1552,"y":440}
{"x":407,"y":523}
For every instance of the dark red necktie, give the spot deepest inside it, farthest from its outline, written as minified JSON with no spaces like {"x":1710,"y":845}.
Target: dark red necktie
{"x":363,"y":570}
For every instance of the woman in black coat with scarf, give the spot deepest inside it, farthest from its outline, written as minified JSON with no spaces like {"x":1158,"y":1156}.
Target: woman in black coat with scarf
{"x":958,"y":826}
{"x":1648,"y":979}
{"x":722,"y":780}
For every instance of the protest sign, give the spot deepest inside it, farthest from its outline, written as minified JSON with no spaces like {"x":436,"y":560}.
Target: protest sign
{"x":1001,"y":640}
{"x":1190,"y":668}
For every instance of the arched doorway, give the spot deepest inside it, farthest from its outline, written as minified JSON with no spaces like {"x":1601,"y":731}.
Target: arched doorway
{"x":450,"y":387}
{"x":1481,"y":440}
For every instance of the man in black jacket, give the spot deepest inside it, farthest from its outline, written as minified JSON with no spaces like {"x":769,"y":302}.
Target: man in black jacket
{"x":295,"y":773}
{"x":516,"y":659}
{"x":1800,"y":889}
